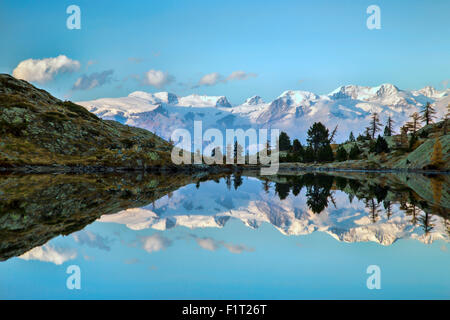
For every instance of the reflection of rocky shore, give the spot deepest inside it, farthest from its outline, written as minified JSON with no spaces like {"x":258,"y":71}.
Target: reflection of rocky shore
{"x":37,"y":208}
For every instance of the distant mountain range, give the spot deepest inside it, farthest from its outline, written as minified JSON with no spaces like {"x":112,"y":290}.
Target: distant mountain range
{"x":293,"y":111}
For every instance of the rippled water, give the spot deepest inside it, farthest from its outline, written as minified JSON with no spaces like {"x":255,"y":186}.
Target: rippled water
{"x":302,"y":236}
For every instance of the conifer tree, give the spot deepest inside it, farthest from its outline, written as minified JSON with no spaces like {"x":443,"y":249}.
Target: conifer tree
{"x":354,"y":152}
{"x":284,"y":142}
{"x":351,"y":138}
{"x":414,"y":124}
{"x":374,"y":125}
{"x":389,"y":129}
{"x":341,"y":154}
{"x":428,"y":113}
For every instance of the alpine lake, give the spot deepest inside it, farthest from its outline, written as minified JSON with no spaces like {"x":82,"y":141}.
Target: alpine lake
{"x":301,"y":235}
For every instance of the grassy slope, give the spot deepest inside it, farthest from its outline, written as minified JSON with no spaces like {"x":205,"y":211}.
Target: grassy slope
{"x":38,"y":129}
{"x":400,"y":157}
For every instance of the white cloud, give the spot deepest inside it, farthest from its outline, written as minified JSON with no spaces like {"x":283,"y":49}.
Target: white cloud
{"x":155,"y":242}
{"x":48,"y":253}
{"x":94,"y":80}
{"x":43,"y":70}
{"x":210,"y":79}
{"x":158,"y":78}
{"x":240,"y":75}
{"x":214,"y":78}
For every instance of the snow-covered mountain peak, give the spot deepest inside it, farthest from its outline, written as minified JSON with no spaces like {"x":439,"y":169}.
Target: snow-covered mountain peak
{"x":196,"y":100}
{"x":432,"y":93}
{"x":253,"y":101}
{"x":296,"y":97}
{"x":345,"y":92}
{"x":428,"y":91}
{"x":223,"y":102}
{"x":167,"y":97}
{"x":362,"y":93}
{"x":157,"y":97}
{"x":386,"y":89}
{"x":143,"y":95}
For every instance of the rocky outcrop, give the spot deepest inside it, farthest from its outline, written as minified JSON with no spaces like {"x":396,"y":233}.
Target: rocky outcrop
{"x":37,"y":129}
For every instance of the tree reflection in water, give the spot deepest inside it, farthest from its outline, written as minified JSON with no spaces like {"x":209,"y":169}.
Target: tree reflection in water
{"x":319,"y":192}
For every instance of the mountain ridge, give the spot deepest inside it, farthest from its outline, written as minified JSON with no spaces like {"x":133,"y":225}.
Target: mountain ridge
{"x":291,"y":111}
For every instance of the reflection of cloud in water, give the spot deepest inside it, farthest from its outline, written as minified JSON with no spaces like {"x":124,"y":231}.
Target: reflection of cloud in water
{"x":132,"y":261}
{"x":49,"y":253}
{"x":91,"y":239}
{"x":155,"y":242}
{"x":211,"y":244}
{"x":208,"y":244}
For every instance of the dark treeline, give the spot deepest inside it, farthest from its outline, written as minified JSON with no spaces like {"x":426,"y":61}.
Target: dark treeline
{"x":318,"y":147}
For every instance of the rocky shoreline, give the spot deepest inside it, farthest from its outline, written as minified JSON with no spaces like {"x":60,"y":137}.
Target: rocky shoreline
{"x":284,"y":168}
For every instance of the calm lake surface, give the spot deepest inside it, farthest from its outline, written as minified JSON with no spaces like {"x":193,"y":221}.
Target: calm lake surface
{"x":304,"y":236}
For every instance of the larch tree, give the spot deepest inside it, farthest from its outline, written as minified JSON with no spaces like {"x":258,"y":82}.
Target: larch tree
{"x":374,"y":126}
{"x":436,"y":156}
{"x":389,"y":129}
{"x":414,"y":124}
{"x":428,"y":113}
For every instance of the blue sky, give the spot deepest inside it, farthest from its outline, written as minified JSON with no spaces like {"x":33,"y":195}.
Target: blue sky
{"x":279,"y":45}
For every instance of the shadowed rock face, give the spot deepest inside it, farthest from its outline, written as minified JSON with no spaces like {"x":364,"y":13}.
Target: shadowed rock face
{"x":37,"y":208}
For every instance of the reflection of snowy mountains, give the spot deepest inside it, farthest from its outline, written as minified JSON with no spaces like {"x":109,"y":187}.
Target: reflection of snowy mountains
{"x":293,"y":111}
{"x":211,"y":207}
